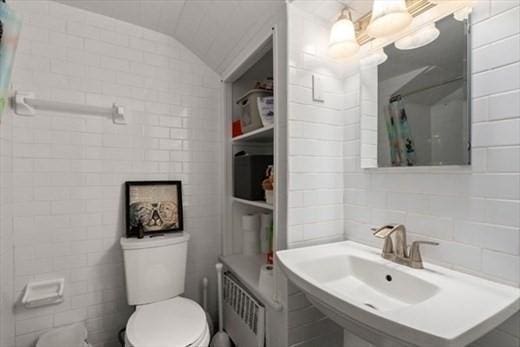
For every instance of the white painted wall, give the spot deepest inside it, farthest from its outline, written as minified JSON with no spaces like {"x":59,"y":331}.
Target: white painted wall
{"x":67,"y":171}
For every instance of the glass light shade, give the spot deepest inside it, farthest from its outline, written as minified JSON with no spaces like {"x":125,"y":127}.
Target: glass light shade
{"x":419,"y":38}
{"x":343,"y":42}
{"x":388,"y":18}
{"x":376,"y":58}
{"x":462,"y":14}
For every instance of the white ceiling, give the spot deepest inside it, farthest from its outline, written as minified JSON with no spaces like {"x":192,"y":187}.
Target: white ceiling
{"x":215,"y":30}
{"x":328,"y":10}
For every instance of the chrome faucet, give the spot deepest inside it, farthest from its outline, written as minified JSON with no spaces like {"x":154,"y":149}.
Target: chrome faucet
{"x":400,"y":255}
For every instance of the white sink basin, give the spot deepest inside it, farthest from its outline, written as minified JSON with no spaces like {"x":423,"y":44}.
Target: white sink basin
{"x":390,"y":304}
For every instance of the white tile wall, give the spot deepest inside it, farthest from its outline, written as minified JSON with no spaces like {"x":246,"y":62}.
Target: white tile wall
{"x":6,"y":233}
{"x":67,"y":171}
{"x":472,"y":211}
{"x":316,"y":131}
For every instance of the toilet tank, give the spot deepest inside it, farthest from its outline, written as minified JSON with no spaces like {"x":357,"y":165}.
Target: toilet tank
{"x":155,"y":267}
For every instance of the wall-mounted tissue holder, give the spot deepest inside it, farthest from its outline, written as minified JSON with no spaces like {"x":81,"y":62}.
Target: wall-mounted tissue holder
{"x":42,"y":293}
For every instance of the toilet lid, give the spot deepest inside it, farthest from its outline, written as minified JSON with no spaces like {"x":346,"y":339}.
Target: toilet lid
{"x":176,"y":322}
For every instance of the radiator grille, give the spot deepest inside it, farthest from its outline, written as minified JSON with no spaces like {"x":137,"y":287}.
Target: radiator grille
{"x":250,"y":312}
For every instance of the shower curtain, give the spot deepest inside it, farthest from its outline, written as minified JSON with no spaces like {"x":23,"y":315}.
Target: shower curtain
{"x":402,"y":146}
{"x":10,"y":25}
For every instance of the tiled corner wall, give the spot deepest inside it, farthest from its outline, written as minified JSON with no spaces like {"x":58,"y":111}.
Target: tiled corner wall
{"x":315,"y":200}
{"x":68,"y":170}
{"x":6,"y":233}
{"x":315,"y":135}
{"x":474,"y":212}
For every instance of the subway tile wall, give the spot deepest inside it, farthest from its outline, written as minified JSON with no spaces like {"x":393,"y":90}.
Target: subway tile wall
{"x":6,"y":235}
{"x":315,"y":146}
{"x":61,"y":175}
{"x":474,"y":212}
{"x":316,"y":132}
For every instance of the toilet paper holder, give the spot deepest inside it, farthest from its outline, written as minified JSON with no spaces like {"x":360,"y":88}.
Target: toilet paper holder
{"x":41,"y":293}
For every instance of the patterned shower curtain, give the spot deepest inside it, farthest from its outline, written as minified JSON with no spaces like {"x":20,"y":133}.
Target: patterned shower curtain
{"x":9,"y":32}
{"x":402,"y":146}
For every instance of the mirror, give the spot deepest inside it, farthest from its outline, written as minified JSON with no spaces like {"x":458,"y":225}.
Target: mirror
{"x":414,"y":106}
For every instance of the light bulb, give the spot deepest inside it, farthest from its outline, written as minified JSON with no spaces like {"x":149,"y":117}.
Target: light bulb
{"x":343,"y":42}
{"x":419,"y":38}
{"x":388,"y":18}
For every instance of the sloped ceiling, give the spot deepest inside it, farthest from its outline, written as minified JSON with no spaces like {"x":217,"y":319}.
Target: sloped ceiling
{"x":215,"y":30}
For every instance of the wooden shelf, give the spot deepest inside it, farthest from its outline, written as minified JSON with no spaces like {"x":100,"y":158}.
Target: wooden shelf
{"x":261,"y":204}
{"x":247,"y":269}
{"x":262,"y":135}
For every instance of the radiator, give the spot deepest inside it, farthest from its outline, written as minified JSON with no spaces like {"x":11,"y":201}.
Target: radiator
{"x":244,"y":316}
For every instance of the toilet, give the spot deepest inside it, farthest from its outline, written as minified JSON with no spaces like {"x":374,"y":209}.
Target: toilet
{"x":155,"y":270}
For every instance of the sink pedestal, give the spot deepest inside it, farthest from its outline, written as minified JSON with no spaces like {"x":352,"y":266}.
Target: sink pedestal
{"x":351,"y":326}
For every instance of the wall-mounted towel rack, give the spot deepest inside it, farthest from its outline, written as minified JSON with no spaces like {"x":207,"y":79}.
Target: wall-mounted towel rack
{"x":25,"y":104}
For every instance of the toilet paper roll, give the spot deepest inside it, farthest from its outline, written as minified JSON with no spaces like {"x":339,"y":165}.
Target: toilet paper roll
{"x":266,"y":219}
{"x":266,"y":281}
{"x":251,"y":243}
{"x":251,"y":222}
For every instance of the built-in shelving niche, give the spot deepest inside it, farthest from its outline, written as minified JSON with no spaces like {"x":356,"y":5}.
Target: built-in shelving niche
{"x":268,"y":140}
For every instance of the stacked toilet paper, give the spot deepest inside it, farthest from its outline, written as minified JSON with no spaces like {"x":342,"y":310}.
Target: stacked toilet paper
{"x":251,"y":225}
{"x":266,"y":220}
{"x":256,"y":229}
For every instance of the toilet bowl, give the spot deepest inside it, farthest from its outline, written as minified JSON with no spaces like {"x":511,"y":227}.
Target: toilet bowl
{"x":177,"y":322}
{"x":155,"y":272}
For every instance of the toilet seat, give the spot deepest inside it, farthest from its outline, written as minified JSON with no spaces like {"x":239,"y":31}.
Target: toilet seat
{"x":176,"y":322}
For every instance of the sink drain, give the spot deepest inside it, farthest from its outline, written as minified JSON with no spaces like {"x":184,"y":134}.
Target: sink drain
{"x":371,"y":306}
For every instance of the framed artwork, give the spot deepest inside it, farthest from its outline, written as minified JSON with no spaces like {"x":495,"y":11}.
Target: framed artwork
{"x":153,"y":207}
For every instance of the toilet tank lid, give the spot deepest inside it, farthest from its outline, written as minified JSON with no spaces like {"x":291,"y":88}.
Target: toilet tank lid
{"x":151,"y":241}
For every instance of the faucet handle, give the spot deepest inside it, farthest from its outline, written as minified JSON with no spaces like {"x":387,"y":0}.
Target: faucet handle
{"x":383,"y":232}
{"x":415,"y":253}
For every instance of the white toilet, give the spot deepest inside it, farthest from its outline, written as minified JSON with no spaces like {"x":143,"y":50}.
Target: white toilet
{"x":155,"y":269}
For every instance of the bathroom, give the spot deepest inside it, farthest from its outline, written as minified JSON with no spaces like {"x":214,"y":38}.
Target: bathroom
{"x":102,"y":99}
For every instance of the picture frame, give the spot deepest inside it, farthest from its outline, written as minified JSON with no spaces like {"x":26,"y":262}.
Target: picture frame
{"x":153,"y":207}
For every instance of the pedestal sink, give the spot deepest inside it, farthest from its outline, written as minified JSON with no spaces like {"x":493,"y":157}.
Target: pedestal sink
{"x":389,"y":304}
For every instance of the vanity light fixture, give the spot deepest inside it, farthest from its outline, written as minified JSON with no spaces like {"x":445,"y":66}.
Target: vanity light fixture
{"x":374,"y":59}
{"x":420,"y":38}
{"x":388,"y":17}
{"x":343,"y":42}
